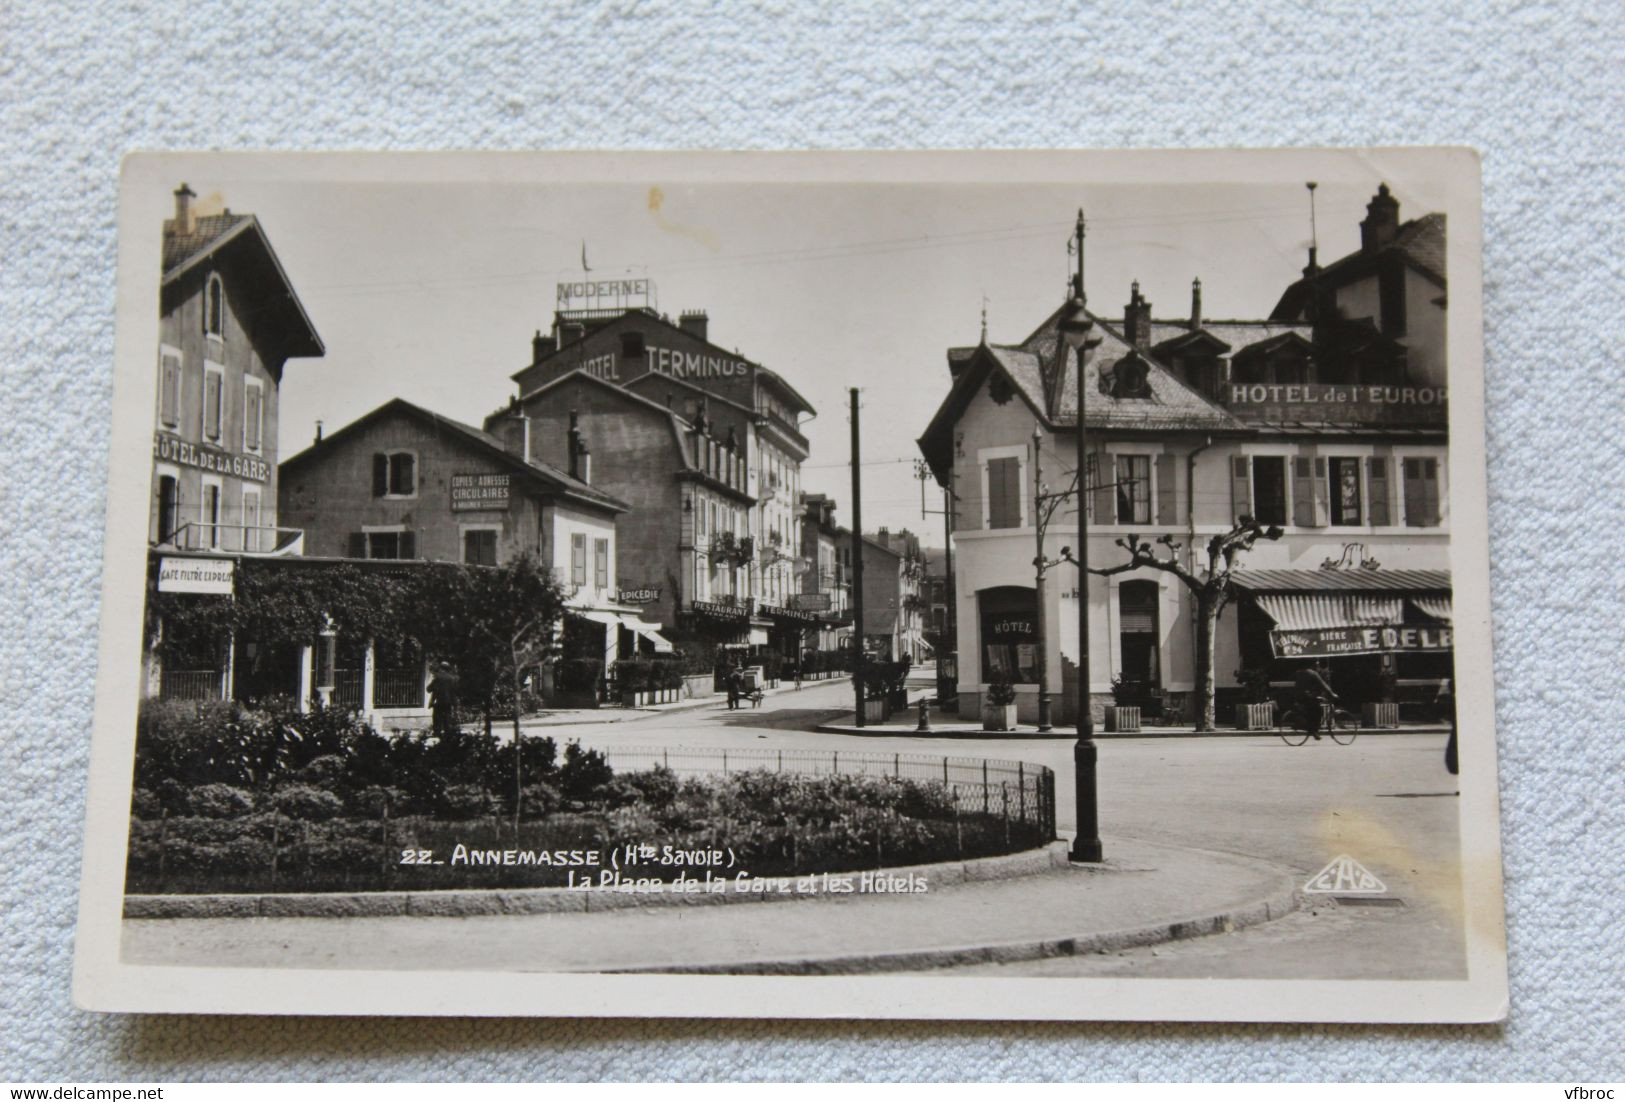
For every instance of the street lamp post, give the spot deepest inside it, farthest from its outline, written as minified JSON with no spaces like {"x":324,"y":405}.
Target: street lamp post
{"x":1075,"y":327}
{"x":1040,"y":569}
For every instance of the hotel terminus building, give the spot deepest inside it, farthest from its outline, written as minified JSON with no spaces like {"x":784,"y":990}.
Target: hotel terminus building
{"x":1326,"y":419}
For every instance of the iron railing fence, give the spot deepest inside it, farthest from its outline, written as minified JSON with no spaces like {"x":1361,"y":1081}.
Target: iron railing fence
{"x":1016,"y":790}
{"x":189,"y":685}
{"x":347,"y":688}
{"x":397,"y":689}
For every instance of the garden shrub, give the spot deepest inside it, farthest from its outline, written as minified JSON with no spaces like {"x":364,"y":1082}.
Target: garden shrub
{"x":584,"y":772}
{"x":375,"y":800}
{"x":327,"y":772}
{"x":539,"y":800}
{"x":468,"y":801}
{"x":219,"y":801}
{"x":301,"y":801}
{"x":144,"y":804}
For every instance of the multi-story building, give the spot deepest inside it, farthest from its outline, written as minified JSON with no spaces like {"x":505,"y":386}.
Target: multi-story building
{"x":897,"y":591}
{"x":1315,"y":426}
{"x":826,"y":548}
{"x":406,"y":483}
{"x":229,"y":321}
{"x":742,"y":449}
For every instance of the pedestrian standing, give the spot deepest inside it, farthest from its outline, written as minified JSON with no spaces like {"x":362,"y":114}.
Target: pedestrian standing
{"x":733,"y":688}
{"x":443,"y":700}
{"x":1445,"y":702}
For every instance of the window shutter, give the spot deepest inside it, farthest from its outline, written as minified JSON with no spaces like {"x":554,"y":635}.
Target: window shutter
{"x":1241,"y":486}
{"x":1413,"y":492}
{"x":1303,"y":492}
{"x":358,"y":545}
{"x":1377,"y":489}
{"x":1105,"y":484}
{"x":211,"y":404}
{"x":1013,"y":491}
{"x":251,"y":419}
{"x":409,"y":545}
{"x":380,"y":474}
{"x":169,"y":390}
{"x":1322,"y":493}
{"x":1430,"y":490}
{"x":1165,"y":490}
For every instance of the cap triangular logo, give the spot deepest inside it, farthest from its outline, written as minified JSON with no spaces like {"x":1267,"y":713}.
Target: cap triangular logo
{"x":1345,"y":875}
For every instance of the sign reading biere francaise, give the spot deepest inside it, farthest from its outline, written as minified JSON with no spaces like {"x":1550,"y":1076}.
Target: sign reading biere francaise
{"x":471,"y":493}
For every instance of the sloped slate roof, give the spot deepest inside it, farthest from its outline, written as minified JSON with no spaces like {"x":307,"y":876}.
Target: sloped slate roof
{"x":1236,"y":334}
{"x":1421,"y":241}
{"x":180,"y":247}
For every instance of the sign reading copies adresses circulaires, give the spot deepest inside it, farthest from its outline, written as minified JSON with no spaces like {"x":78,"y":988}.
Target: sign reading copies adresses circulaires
{"x":879,"y":753}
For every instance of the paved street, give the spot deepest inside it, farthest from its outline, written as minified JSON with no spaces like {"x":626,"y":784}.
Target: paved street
{"x":1386,"y":801}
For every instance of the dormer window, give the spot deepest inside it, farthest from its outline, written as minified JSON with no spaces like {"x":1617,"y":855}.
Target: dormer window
{"x":214,"y":308}
{"x":1129,"y":378}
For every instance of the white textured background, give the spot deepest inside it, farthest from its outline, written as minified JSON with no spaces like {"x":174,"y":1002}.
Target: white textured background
{"x":1537,"y":87}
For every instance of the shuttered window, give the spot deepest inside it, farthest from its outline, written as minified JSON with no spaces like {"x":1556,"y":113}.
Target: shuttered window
{"x":1134,"y":489}
{"x":1421,"y":492}
{"x":1303,"y":491}
{"x":1377,"y":489}
{"x":1166,"y":506}
{"x":600,"y":563}
{"x":394,"y":474}
{"x":213,"y":385}
{"x":578,"y":559}
{"x":1269,"y":489}
{"x":1241,"y":487}
{"x":480,"y":547}
{"x":253,"y":418}
{"x":169,"y":390}
{"x":1004,"y":493}
{"x":1345,"y":491}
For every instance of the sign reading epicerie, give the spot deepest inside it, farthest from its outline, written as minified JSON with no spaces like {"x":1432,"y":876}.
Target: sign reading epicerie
{"x":172,"y":449}
{"x":1332,"y":402}
{"x":694,"y":365}
{"x":472,"y":493}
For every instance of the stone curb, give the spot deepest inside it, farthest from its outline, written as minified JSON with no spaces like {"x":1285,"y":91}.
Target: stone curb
{"x":463,"y":903}
{"x":1071,"y":735}
{"x":1283,"y":900}
{"x":623,"y":715}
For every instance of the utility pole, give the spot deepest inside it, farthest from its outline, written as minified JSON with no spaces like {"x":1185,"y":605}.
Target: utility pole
{"x":1086,"y":844}
{"x":857,"y":565}
{"x":1044,"y":725}
{"x":951,"y":624}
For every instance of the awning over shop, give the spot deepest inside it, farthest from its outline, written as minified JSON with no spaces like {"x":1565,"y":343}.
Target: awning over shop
{"x":649,"y":631}
{"x":1321,"y":613}
{"x":593,"y":614}
{"x":1436,"y":607}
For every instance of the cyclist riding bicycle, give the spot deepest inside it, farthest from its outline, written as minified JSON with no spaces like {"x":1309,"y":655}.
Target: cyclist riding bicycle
{"x":1312,"y":690}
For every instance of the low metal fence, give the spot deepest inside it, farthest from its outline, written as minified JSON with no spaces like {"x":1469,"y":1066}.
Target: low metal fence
{"x":347,"y":688}
{"x":391,"y":689}
{"x":1017,"y":791}
{"x":190,"y":685}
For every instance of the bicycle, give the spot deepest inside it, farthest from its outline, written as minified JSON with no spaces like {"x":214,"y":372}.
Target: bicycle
{"x":1341,"y":725}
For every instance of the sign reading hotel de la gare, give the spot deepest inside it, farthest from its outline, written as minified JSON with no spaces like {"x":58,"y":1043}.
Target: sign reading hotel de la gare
{"x":1330,"y":642}
{"x":1358,"y":404}
{"x":472,"y":493}
{"x":203,"y":457}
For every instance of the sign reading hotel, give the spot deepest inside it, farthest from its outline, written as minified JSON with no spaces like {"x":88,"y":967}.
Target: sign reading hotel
{"x":1330,"y":642}
{"x":172,"y":449}
{"x":694,"y":365}
{"x":1330,"y":402}
{"x":177,"y":575}
{"x":604,"y":294}
{"x":472,"y":493}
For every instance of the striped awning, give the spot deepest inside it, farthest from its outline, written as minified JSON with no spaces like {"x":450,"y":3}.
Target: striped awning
{"x":1436,"y":607}
{"x":1311,"y":611}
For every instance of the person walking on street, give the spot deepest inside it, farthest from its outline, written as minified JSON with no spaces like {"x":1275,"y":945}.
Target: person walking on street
{"x":733,"y":688}
{"x":443,"y":700}
{"x":1312,"y":689}
{"x":1445,"y":701}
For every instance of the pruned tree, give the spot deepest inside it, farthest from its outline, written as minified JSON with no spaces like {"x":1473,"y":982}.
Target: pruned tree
{"x":1210,"y":588}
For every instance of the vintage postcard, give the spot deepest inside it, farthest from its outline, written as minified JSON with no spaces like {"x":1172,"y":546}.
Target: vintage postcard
{"x":912,"y":585}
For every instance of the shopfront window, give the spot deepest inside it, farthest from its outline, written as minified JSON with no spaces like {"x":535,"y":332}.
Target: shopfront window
{"x":1009,"y":623}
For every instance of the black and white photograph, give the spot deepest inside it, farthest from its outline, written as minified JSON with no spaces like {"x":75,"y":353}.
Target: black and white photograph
{"x":959,"y":585}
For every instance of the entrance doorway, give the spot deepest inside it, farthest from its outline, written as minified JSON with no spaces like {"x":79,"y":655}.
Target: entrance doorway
{"x":1138,"y":634}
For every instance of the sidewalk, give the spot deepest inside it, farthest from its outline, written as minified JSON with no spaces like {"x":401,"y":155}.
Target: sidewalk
{"x":1142,"y":894}
{"x":575,"y":717}
{"x":952,"y":726}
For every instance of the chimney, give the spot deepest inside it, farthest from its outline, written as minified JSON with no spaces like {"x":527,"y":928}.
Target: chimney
{"x":570,"y":332}
{"x":1381,"y":223}
{"x":183,"y":209}
{"x":540,"y":348}
{"x":318,"y":431}
{"x":1137,"y":319}
{"x":1196,"y":304}
{"x":695,"y":323}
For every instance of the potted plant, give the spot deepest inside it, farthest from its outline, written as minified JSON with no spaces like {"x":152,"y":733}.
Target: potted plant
{"x":1384,"y":711}
{"x":1123,"y":714}
{"x":897,"y":686}
{"x":999,"y":711}
{"x":876,"y":696}
{"x":1256,"y":712}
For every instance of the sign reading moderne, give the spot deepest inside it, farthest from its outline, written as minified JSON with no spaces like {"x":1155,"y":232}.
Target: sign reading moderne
{"x":203,"y":457}
{"x":471,"y":493}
